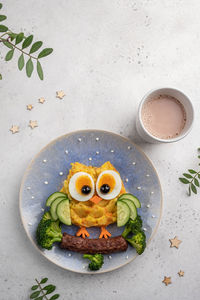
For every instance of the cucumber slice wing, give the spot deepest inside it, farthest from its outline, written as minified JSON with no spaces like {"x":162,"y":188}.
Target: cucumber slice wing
{"x":54,"y":207}
{"x":123,"y":213}
{"x":63,"y":212}
{"x":132,"y":207}
{"x":53,"y":196}
{"x":131,"y":197}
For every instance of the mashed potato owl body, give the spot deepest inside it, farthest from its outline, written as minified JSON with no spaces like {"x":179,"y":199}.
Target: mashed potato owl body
{"x":99,"y":182}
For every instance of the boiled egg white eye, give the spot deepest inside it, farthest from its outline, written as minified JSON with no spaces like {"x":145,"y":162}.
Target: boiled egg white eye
{"x":81,"y":186}
{"x":108,"y":185}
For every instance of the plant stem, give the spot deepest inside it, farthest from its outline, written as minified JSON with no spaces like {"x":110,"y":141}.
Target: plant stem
{"x":3,"y":35}
{"x":41,"y":289}
{"x":2,"y":40}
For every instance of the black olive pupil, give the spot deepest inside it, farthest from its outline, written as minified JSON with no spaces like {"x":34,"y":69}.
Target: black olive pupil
{"x":105,"y":188}
{"x":86,"y":189}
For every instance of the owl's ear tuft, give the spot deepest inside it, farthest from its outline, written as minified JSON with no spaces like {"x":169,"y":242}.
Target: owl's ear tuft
{"x":107,"y":166}
{"x":104,"y":167}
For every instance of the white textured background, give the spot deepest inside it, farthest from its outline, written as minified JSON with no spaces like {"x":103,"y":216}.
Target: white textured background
{"x":107,"y":55}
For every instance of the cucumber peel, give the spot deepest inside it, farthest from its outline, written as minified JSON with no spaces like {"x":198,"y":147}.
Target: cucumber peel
{"x":132,"y":207}
{"x":123,"y":213}
{"x":53,"y":196}
{"x":131,"y":197}
{"x":54,"y":208}
{"x":63,"y":212}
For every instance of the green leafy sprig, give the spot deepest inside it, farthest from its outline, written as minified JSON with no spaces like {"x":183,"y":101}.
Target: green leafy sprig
{"x":39,"y":292}
{"x":18,"y":42}
{"x":192,"y":179}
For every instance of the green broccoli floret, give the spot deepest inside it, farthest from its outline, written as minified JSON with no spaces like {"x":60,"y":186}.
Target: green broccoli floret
{"x":46,"y":216}
{"x":97,"y":261}
{"x":138,"y":241}
{"x":132,"y":226}
{"x":48,"y":232}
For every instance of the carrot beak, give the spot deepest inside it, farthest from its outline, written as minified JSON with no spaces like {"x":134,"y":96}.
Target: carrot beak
{"x":95,"y":199}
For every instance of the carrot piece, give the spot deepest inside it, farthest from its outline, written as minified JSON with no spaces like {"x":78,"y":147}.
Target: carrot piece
{"x":96,"y":199}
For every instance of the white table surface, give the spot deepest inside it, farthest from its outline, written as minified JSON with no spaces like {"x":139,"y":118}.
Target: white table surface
{"x":107,"y":55}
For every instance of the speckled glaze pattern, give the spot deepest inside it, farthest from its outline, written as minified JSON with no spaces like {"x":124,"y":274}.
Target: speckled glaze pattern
{"x":47,"y":171}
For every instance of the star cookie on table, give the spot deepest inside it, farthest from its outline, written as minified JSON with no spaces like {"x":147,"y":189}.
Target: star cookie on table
{"x":29,"y":106}
{"x":41,"y":100}
{"x":175,"y":242}
{"x":167,"y":280}
{"x":60,"y":94}
{"x":181,"y":273}
{"x":33,"y":124}
{"x":14,"y":129}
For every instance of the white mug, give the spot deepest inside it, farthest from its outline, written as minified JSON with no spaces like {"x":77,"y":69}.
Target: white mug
{"x":183,"y":99}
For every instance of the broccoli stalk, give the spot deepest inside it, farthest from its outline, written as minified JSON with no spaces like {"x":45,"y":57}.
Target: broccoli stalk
{"x":132,"y":226}
{"x":138,"y":241}
{"x":48,"y":232}
{"x":97,"y":261}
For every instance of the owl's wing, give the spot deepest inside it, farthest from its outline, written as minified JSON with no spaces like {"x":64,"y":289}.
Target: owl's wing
{"x":63,"y":212}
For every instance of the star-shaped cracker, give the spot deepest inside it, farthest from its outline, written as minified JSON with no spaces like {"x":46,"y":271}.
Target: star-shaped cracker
{"x":175,"y":242}
{"x":14,"y":129}
{"x":33,"y":124}
{"x":167,"y":280}
{"x":181,"y":273}
{"x":29,"y":106}
{"x":60,"y":94}
{"x":41,"y":100}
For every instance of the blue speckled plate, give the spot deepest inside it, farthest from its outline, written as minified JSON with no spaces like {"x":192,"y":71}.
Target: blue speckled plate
{"x":49,"y":168}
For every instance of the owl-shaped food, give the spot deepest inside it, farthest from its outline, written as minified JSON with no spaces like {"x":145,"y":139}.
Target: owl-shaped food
{"x":93,"y":192}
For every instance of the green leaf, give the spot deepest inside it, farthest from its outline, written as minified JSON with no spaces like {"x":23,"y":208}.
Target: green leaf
{"x":21,"y":62}
{"x":12,"y":36}
{"x":29,"y":67}
{"x":196,"y":182}
{"x":2,"y":18}
{"x":45,"y":52}
{"x":44,"y":280}
{"x":19,"y":38}
{"x":199,"y":176}
{"x":192,"y":171}
{"x":0,"y":77}
{"x":34,"y":287}
{"x":7,"y":44}
{"x":193,"y":188}
{"x":56,"y":296}
{"x":27,"y":41}
{"x":34,"y":295}
{"x":39,"y":298}
{"x":35,"y":46}
{"x":49,"y":289}
{"x":198,"y":156}
{"x":184,"y":180}
{"x":187,"y":175}
{"x":9,"y":55}
{"x":1,"y":5}
{"x":39,"y":70}
{"x":3,"y":28}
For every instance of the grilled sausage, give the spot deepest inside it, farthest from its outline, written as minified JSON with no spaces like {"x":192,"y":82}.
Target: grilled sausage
{"x":92,"y":246}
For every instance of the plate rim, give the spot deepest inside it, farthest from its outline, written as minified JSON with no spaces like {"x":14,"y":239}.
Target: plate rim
{"x":54,"y":141}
